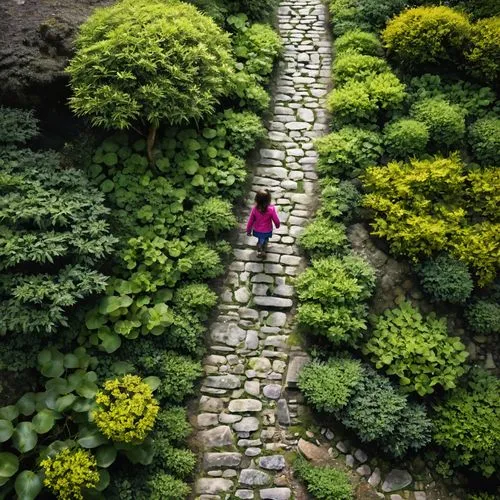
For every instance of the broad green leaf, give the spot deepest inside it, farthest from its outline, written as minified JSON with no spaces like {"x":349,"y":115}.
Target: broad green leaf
{"x":104,"y":479}
{"x":44,"y":421}
{"x":110,"y":342}
{"x":6,"y":430}
{"x":26,"y":404}
{"x":9,"y":464}
{"x":113,"y":302}
{"x":91,"y":438}
{"x":153,"y":382}
{"x":28,"y":485}
{"x":58,"y":385}
{"x":105,"y":455}
{"x":71,"y":361}
{"x":87,"y":389}
{"x":9,"y":412}
{"x":64,"y":402}
{"x":122,"y":367}
{"x":24,"y":437}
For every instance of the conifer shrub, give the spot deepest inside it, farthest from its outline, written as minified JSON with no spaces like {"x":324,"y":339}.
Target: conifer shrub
{"x":444,"y":121}
{"x":417,"y":350}
{"x":483,"y":317}
{"x":484,"y":140}
{"x":405,"y":138}
{"x":483,"y":54}
{"x":362,"y":42}
{"x":446,"y":279}
{"x":467,"y":426}
{"x":423,"y":35}
{"x":176,"y":72}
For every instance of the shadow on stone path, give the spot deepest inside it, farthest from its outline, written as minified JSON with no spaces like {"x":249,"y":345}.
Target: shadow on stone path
{"x":243,"y":412}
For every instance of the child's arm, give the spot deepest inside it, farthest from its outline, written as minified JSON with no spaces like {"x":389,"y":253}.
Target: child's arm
{"x":276,"y":219}
{"x":251,"y":221}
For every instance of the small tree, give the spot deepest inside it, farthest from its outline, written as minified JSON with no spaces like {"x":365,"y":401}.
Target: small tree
{"x":146,"y":61}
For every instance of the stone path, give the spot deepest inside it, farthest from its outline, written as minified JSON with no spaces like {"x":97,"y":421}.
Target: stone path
{"x":244,"y":412}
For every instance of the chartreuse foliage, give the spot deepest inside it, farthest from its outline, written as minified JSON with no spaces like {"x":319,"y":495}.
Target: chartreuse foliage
{"x":417,"y":350}
{"x":359,"y":41}
{"x":483,"y":53}
{"x":434,"y":205}
{"x":126,"y":409}
{"x":53,"y":235}
{"x":69,"y":472}
{"x":467,"y":426}
{"x":149,"y":61}
{"x":324,"y":483}
{"x":422,"y":35}
{"x":332,"y":295}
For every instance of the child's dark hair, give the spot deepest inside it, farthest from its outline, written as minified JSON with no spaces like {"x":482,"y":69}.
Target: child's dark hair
{"x":263,"y":200}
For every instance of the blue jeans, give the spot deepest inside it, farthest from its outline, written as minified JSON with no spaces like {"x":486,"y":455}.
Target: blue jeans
{"x":262,"y":237}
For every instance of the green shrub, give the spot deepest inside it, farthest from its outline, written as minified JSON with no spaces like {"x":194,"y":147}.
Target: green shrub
{"x":369,"y":15}
{"x":423,"y":35}
{"x":352,"y":65}
{"x":244,"y":130}
{"x":117,"y":80}
{"x":446,"y":279}
{"x":484,"y":139}
{"x":339,"y":200}
{"x":324,"y":483}
{"x":249,"y":92}
{"x":177,"y":373}
{"x":483,"y":317}
{"x":257,"y":46}
{"x":348,"y":151}
{"x":475,"y":100}
{"x":467,"y":426}
{"x":404,"y":197}
{"x":323,"y":237}
{"x":483,"y":55}
{"x":54,"y":236}
{"x":332,"y":294}
{"x":362,"y":102}
{"x":360,"y":41}
{"x":178,"y":462}
{"x":196,"y":297}
{"x":404,"y":138}
{"x":257,"y":10}
{"x":173,"y":424}
{"x":417,"y":351}
{"x":165,"y":487}
{"x":329,"y":386}
{"x":378,"y":412}
{"x":17,"y":125}
{"x":445,"y":121}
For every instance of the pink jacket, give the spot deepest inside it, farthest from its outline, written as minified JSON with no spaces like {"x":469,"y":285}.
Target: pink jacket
{"x":263,"y":222}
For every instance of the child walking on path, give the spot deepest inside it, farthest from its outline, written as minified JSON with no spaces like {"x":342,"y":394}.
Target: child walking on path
{"x":261,"y":220}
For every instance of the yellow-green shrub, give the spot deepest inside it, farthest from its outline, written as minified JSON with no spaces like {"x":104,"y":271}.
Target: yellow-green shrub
{"x":483,"y":55}
{"x":427,"y":206}
{"x":427,"y":35}
{"x":126,"y":410}
{"x":69,"y":472}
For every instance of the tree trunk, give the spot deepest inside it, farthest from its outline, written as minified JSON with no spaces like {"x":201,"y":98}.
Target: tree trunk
{"x":151,"y":143}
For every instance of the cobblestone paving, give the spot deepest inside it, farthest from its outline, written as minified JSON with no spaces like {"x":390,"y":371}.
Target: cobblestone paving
{"x":243,"y":410}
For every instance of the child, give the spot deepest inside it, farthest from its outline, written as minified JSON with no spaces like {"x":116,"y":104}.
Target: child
{"x":261,"y":220}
